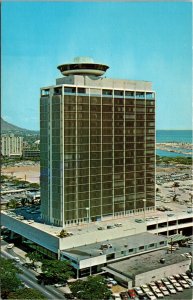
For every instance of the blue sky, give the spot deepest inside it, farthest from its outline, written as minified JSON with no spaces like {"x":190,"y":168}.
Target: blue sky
{"x":139,"y":41}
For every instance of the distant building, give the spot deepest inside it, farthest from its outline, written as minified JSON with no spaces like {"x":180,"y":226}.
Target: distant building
{"x":31,"y":153}
{"x":11,"y":145}
{"x":97,"y":146}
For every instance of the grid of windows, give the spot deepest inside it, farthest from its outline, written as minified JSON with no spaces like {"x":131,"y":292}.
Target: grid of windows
{"x":97,"y":152}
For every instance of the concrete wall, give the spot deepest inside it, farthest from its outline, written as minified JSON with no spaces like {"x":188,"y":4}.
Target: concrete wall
{"x":93,"y":261}
{"x":106,"y":82}
{"x":28,"y":231}
{"x":157,"y":274}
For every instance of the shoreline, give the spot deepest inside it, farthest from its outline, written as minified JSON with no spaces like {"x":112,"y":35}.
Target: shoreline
{"x":181,"y":148}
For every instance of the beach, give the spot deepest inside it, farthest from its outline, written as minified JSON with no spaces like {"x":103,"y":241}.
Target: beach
{"x":30,"y":173}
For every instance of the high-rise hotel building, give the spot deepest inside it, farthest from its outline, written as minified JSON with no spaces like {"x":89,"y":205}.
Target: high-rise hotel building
{"x":97,"y":145}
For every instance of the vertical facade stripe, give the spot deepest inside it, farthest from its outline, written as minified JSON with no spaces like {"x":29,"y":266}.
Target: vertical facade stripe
{"x":62,"y":187}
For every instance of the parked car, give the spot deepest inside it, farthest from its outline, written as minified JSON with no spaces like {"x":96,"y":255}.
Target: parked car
{"x":124,"y":295}
{"x":172,"y":279}
{"x":151,"y":296}
{"x":177,"y":276}
{"x":132,"y":293}
{"x":101,"y":228}
{"x":178,"y":287}
{"x":118,"y":224}
{"x":165,"y":281}
{"x":171,"y":289}
{"x":10,"y":246}
{"x":139,"y":291}
{"x":190,"y":282}
{"x":110,"y":226}
{"x":184,"y":276}
{"x":162,"y":288}
{"x":139,"y":220}
{"x":111,"y":281}
{"x":158,"y":293}
{"x":184,"y":284}
{"x":148,"y":292}
{"x":57,"y":285}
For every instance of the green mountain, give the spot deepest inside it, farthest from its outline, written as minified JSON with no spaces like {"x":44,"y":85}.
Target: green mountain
{"x":10,"y":128}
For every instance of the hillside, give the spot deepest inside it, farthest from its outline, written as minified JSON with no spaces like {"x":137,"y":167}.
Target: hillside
{"x":10,"y":128}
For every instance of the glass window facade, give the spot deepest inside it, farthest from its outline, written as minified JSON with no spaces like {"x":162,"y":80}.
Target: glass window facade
{"x":97,"y":153}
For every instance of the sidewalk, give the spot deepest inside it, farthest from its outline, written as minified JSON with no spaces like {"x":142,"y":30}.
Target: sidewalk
{"x":20,"y":252}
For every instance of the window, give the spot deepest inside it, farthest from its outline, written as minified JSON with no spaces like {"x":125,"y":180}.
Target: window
{"x":81,"y":90}
{"x":141,"y":248}
{"x":45,"y":92}
{"x":107,"y":92}
{"x":150,"y":110}
{"x":58,"y":91}
{"x":69,"y":90}
{"x":150,"y":96}
{"x":151,"y":245}
{"x":140,"y":95}
{"x":129,"y":94}
{"x":131,"y":250}
{"x":118,"y":93}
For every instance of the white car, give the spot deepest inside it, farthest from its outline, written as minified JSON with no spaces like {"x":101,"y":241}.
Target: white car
{"x":190,"y":282}
{"x":148,"y":292}
{"x":178,"y":287}
{"x":10,"y":246}
{"x":150,"y":295}
{"x":138,"y":290}
{"x":163,"y":289}
{"x":184,"y":284}
{"x":171,"y":289}
{"x":158,"y":293}
{"x":57,"y":285}
{"x":172,"y":279}
{"x":17,"y":259}
{"x":165,"y":281}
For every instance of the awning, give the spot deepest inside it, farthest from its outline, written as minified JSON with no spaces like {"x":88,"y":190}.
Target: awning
{"x":176,"y":238}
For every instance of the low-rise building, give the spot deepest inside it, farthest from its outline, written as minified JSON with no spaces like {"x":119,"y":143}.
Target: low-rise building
{"x":31,"y":153}
{"x":148,"y":267}
{"x":91,"y":258}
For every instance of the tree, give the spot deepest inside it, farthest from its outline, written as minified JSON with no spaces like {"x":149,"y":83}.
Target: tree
{"x":55,"y":271}
{"x":93,"y":288}
{"x":8,"y":277}
{"x":34,"y":257}
{"x":63,"y":233}
{"x":34,"y":185}
{"x":23,"y":201}
{"x":12,"y":203}
{"x":26,"y":293}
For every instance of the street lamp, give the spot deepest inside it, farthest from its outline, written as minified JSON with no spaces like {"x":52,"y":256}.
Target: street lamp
{"x":144,"y":208}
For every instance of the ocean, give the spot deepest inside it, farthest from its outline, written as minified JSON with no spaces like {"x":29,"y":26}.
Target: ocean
{"x":181,"y":136}
{"x":166,"y":136}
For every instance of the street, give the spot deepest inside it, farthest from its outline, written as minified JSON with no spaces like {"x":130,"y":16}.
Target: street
{"x":29,"y":278}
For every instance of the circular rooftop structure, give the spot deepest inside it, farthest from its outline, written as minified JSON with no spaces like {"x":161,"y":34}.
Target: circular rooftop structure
{"x":83,"y":66}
